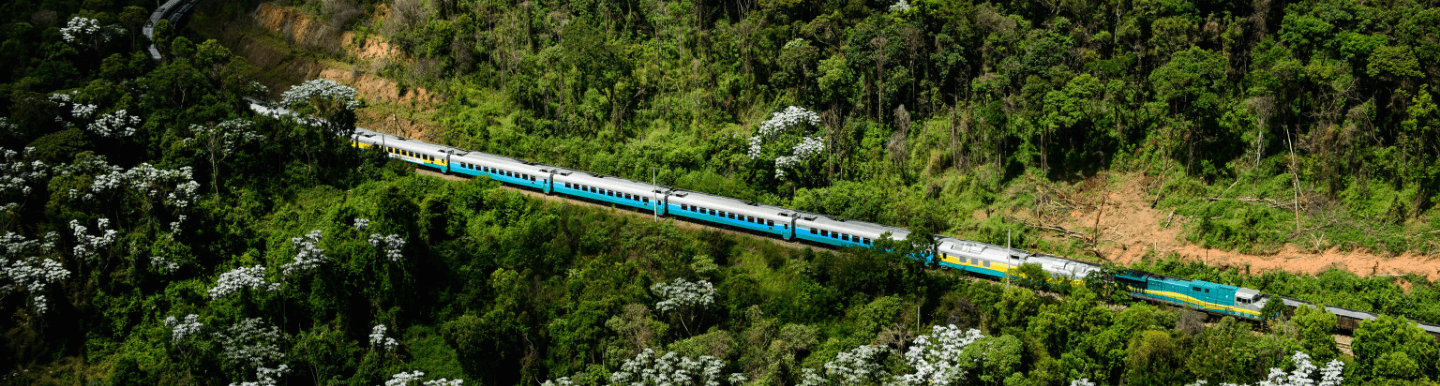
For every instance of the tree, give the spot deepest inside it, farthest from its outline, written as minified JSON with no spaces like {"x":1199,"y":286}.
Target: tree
{"x":688,"y":298}
{"x":1394,"y":348}
{"x":223,"y":140}
{"x":938,"y":358}
{"x":1315,"y":325}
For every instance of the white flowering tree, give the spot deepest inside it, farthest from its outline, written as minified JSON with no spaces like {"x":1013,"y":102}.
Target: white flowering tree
{"x":790,"y":136}
{"x":416,"y":378}
{"x":149,"y":185}
{"x":240,"y":279}
{"x":18,"y":178}
{"x":686,"y":298}
{"x":861,"y":365}
{"x":391,"y":245}
{"x":24,"y":270}
{"x":116,"y":124}
{"x":88,"y":32}
{"x":669,"y":369}
{"x":182,"y":330}
{"x":87,"y":246}
{"x":1303,"y":375}
{"x":378,"y":339}
{"x":251,"y":343}
{"x":936,"y":357}
{"x":223,"y":140}
{"x":308,"y":254}
{"x":332,"y":103}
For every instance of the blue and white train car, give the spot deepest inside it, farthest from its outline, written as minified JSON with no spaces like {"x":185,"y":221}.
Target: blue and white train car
{"x":844,"y":233}
{"x":413,"y":151}
{"x":732,"y":212}
{"x":614,"y":190}
{"x":508,"y":170}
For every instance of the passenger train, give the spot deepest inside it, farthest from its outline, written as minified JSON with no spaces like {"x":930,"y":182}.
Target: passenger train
{"x":970,"y":256}
{"x":788,"y":224}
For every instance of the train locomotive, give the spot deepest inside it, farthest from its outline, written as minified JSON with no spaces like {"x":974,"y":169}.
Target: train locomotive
{"x":971,"y":256}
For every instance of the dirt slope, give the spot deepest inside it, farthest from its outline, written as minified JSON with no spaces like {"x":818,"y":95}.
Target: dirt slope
{"x":290,"y":46}
{"x":1129,"y":228}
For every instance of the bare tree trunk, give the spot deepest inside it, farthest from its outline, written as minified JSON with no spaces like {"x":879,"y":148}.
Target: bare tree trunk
{"x":1295,"y":177}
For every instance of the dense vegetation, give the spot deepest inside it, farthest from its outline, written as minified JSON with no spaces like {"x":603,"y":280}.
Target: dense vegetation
{"x":157,"y":231}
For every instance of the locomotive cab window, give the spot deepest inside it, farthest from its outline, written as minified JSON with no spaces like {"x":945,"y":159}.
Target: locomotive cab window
{"x":1195,"y":288}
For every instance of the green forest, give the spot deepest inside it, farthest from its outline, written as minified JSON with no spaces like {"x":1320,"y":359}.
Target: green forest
{"x":157,"y":230}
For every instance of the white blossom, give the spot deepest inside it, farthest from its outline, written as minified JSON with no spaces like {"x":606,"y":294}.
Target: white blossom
{"x":857,"y":365}
{"x":241,"y":278}
{"x":265,"y":376}
{"x":175,"y":187}
{"x":392,"y":245}
{"x":1082,"y":382}
{"x":672,"y":369}
{"x":181,"y":330}
{"x":361,"y":224}
{"x":683,"y":293}
{"x":175,"y":225}
{"x":807,"y":148}
{"x":164,"y":265}
{"x":308,"y":254}
{"x":224,"y":138}
{"x":378,"y":338}
{"x":19,"y":176}
{"x":22,"y":270}
{"x":404,"y":379}
{"x":320,"y":88}
{"x":86,"y":246}
{"x":900,"y":6}
{"x":6,"y":126}
{"x":562,"y":381}
{"x":1303,"y":375}
{"x":933,"y":356}
{"x":88,"y":30}
{"x":117,"y":124}
{"x":251,"y":342}
{"x":83,"y":111}
{"x":790,"y":117}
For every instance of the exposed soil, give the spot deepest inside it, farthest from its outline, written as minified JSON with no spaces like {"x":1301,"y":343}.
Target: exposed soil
{"x":291,"y":46}
{"x":1129,"y":228}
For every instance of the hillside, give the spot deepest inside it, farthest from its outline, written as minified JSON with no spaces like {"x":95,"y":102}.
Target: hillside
{"x":157,"y":230}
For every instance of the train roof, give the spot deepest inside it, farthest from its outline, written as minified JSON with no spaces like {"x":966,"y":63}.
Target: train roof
{"x":728,"y":204}
{"x":862,"y":228}
{"x":604,"y":181}
{"x":979,"y":250}
{"x":1060,"y":265}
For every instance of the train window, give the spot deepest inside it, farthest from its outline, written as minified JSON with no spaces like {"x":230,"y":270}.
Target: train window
{"x":684,"y":206}
{"x":770,"y":222}
{"x":646,"y":200}
{"x":987,"y":264}
{"x":812,"y":231}
{"x":1195,"y":288}
{"x":866,"y":240}
{"x":1207,"y":290}
{"x":845,"y":236}
{"x":824,"y":233}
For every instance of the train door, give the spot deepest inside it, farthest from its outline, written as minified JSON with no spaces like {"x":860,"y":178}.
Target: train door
{"x":549,"y":183}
